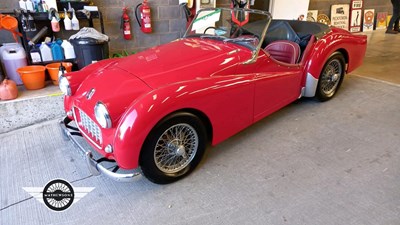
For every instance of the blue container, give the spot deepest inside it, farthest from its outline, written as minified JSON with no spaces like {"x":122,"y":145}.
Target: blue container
{"x":57,"y":51}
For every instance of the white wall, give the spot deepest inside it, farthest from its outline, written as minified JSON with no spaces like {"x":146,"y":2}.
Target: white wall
{"x":288,"y":9}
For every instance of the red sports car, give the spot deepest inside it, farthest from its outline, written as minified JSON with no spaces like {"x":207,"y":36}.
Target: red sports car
{"x":157,"y":110}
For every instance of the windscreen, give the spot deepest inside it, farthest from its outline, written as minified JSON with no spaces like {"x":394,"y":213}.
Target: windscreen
{"x":241,"y":26}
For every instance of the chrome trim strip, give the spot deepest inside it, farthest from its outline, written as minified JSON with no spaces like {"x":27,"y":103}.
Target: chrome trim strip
{"x":94,"y":166}
{"x":311,"y":86}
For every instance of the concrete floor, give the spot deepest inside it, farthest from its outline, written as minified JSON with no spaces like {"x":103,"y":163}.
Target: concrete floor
{"x":383,"y":57}
{"x":310,"y":163}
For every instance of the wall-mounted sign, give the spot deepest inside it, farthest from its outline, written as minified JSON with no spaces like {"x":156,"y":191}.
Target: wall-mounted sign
{"x":312,"y":15}
{"x":322,"y":18}
{"x":381,"y":20}
{"x":388,"y":18}
{"x":340,"y":16}
{"x":356,"y":15}
{"x":369,"y":15}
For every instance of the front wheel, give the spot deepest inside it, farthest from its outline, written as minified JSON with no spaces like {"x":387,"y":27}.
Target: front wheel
{"x":331,"y":77}
{"x":173,"y":148}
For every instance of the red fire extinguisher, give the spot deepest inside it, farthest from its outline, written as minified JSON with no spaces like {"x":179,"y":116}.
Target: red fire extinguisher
{"x":145,"y":17}
{"x":125,"y":24}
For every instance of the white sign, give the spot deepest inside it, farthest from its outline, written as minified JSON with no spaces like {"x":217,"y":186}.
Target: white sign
{"x":356,"y":15}
{"x":340,"y":16}
{"x":289,"y":9}
{"x":355,"y":22}
{"x":357,"y":4}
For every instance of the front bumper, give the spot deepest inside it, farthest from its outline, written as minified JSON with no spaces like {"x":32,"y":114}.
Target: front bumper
{"x":95,"y":166}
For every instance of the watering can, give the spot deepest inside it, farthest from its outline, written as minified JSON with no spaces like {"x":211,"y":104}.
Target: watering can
{"x":10,"y":24}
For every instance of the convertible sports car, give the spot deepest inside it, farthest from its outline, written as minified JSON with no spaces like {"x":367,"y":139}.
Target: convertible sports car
{"x":155,"y":112}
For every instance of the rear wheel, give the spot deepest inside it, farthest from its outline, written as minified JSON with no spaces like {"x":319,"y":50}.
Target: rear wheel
{"x":331,"y":77}
{"x":173,"y":148}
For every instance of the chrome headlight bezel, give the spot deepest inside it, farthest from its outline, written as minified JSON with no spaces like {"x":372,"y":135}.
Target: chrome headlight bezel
{"x":102,"y":115}
{"x":64,"y":86}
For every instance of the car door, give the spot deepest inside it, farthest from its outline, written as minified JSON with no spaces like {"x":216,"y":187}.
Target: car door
{"x":276,"y":84}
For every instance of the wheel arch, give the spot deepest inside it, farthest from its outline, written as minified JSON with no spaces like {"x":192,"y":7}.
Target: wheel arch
{"x":345,"y":55}
{"x":195,"y":112}
{"x":205,"y":120}
{"x":315,"y":69}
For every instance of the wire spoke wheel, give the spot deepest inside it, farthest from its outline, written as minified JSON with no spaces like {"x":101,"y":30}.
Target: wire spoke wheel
{"x":176,"y":148}
{"x":173,"y":148}
{"x":331,"y":77}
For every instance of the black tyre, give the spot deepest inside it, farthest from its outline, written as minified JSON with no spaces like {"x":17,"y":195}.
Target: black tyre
{"x":174,"y":148}
{"x":331,"y":77}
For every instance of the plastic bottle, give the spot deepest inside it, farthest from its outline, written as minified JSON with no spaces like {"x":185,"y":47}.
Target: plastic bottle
{"x":55,"y":25}
{"x":45,"y":51}
{"x":68,"y":50}
{"x":35,"y":6}
{"x":31,"y":22}
{"x":22,"y":4}
{"x":67,"y":21}
{"x":29,"y":5}
{"x":40,"y":7}
{"x":13,"y":56}
{"x":61,"y":71}
{"x":75,"y":21}
{"x":45,"y":6}
{"x":24,"y":22}
{"x":35,"y":54}
{"x":57,"y":51}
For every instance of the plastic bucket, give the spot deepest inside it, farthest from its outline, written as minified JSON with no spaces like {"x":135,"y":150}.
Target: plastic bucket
{"x":53,"y":70}
{"x":1,"y":20}
{"x":33,"y":77}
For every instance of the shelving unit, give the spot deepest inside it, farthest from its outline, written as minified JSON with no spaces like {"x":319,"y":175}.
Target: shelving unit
{"x":42,"y":19}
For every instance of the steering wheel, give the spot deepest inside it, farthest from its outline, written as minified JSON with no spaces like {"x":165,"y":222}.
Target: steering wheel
{"x":205,"y":31}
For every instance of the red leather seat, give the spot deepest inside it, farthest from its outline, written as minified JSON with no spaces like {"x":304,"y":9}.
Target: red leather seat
{"x":284,"y":51}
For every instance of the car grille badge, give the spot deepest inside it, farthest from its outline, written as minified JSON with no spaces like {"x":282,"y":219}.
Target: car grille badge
{"x":90,"y":94}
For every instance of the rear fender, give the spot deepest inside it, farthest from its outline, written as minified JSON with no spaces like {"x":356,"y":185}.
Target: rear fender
{"x":352,"y":47}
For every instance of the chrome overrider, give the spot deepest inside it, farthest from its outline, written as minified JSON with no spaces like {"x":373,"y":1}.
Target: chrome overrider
{"x":95,"y":166}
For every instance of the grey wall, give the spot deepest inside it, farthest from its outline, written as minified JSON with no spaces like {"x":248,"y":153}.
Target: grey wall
{"x":167,"y":19}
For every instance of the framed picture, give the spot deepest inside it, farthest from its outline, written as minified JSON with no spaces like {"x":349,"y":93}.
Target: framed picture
{"x":340,"y":16}
{"x":369,"y":16}
{"x":388,"y":17}
{"x":312,"y":15}
{"x":356,"y":12}
{"x":381,"y":20}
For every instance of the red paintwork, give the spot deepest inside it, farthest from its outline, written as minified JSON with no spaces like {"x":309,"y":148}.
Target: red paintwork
{"x":204,"y":76}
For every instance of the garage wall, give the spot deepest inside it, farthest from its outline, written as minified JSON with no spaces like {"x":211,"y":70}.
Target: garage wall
{"x":168,"y":20}
{"x":324,"y":5}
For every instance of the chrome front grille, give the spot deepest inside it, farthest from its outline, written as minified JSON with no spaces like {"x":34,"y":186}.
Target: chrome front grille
{"x":90,"y":127}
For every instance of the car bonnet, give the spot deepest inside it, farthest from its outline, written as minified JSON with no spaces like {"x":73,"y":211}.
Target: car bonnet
{"x":180,"y":60}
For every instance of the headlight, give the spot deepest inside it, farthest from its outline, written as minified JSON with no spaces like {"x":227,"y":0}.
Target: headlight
{"x":64,"y":86}
{"x":102,"y":115}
